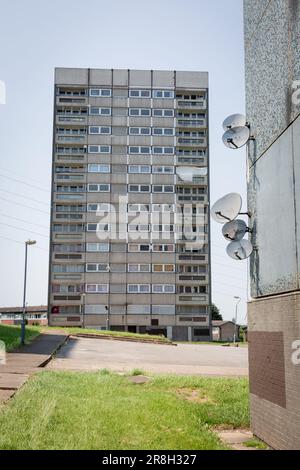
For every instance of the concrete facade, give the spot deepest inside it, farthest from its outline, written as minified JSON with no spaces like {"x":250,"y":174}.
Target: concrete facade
{"x":272,"y":46}
{"x":119,"y":258}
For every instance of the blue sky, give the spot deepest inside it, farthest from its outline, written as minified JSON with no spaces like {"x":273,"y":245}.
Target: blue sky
{"x":37,"y":36}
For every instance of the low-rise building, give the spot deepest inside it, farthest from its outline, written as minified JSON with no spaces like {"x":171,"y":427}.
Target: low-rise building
{"x":223,"y":330}
{"x":34,"y":315}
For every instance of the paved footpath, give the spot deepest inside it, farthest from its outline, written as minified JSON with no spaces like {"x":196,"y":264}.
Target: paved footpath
{"x":26,"y":361}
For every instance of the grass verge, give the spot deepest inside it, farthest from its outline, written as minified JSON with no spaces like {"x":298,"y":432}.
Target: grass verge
{"x":120,"y":334}
{"x":65,"y":410}
{"x":11,"y":335}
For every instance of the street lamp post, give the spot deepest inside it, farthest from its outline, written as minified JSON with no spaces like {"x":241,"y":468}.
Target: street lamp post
{"x":23,"y":322}
{"x":236,"y":314}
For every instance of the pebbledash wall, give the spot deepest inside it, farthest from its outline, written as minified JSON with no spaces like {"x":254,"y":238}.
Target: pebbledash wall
{"x":272,"y":48}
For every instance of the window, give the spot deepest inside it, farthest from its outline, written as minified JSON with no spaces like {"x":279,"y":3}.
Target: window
{"x":163,"y":309}
{"x":167,"y":131}
{"x":98,"y":168}
{"x":96,"y":267}
{"x":101,"y":207}
{"x":163,"y":150}
{"x":163,"y":268}
{"x":96,"y":247}
{"x":98,"y":227}
{"x":138,"y":208}
{"x":163,"y":288}
{"x":163,"y":188}
{"x":164,"y":248}
{"x":139,"y":93}
{"x":68,"y":248}
{"x":163,"y":112}
{"x":138,"y":268}
{"x":162,"y":207}
{"x":135,"y":248}
{"x":99,"y":148}
{"x":100,"y":92}
{"x":94,"y":110}
{"x":68,"y":228}
{"x":163,"y":169}
{"x":99,"y":188}
{"x":68,"y":268}
{"x":135,"y":150}
{"x":139,"y":131}
{"x":162,"y":228}
{"x":139,"y":112}
{"x":138,"y":228}
{"x":139,"y":169}
{"x":163,"y":94}
{"x":139,"y":188}
{"x":96,"y":288}
{"x":99,"y":130}
{"x":138,"y":288}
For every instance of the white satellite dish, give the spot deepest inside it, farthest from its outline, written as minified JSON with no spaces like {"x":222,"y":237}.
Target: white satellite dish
{"x":186,"y":173}
{"x":234,"y":120}
{"x":236,"y":137}
{"x":235,"y":230}
{"x":227,"y":208}
{"x":239,"y":250}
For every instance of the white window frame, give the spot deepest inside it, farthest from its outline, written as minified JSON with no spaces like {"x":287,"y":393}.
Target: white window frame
{"x":164,"y":245}
{"x":139,"y":289}
{"x":99,"y":227}
{"x":139,"y":208}
{"x":163,"y":268}
{"x":98,"y":245}
{"x":139,"y":188}
{"x":97,"y":270}
{"x":139,"y":248}
{"x":164,"y":150}
{"x":139,"y":148}
{"x":99,"y":166}
{"x":99,"y":148}
{"x":98,"y":190}
{"x":163,"y":288}
{"x":139,"y":112}
{"x":163,"y":167}
{"x":143,"y":228}
{"x":139,"y":131}
{"x":163,"y":130}
{"x":164,"y":93}
{"x":101,"y":207}
{"x":102,"y":92}
{"x":101,"y":111}
{"x":99,"y":130}
{"x":163,"y":186}
{"x":140,"y":92}
{"x":139,"y":169}
{"x":99,"y":289}
{"x":139,"y":268}
{"x":163,"y":112}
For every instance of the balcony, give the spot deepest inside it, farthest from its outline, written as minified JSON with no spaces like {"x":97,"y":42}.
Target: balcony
{"x":191,"y":123}
{"x":191,"y":104}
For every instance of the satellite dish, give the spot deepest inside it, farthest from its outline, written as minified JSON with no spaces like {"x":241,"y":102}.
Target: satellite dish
{"x":227,"y":208}
{"x":235,"y":230}
{"x":236,"y":137}
{"x":235,"y":120}
{"x":186,"y":173}
{"x":239,"y":250}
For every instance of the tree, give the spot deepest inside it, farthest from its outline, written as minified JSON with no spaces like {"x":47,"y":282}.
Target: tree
{"x":215,"y":313}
